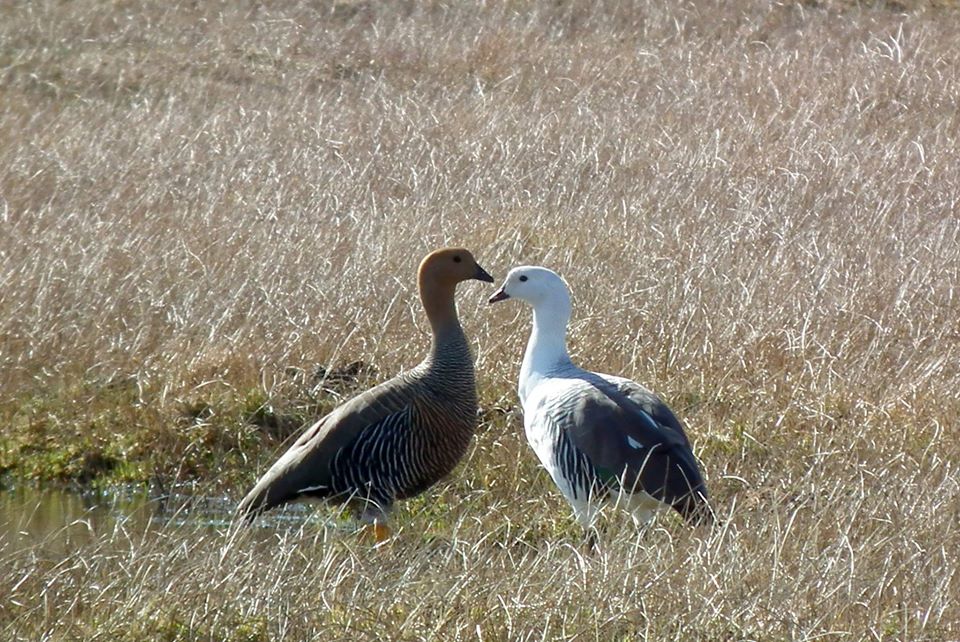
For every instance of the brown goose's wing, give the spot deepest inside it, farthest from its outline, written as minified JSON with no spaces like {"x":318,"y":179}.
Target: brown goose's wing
{"x":305,"y":467}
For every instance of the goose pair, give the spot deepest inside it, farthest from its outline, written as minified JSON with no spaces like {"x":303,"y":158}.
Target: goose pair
{"x":597,"y":435}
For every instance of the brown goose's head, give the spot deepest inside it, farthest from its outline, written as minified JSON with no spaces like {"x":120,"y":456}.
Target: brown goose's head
{"x":450,"y":266}
{"x":437,"y":279}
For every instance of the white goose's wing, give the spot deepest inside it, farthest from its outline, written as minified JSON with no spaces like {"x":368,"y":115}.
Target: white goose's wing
{"x":649,"y":402}
{"x":628,"y":445}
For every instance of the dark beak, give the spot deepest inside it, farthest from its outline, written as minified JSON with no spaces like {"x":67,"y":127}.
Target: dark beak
{"x":500,"y":295}
{"x":481,"y":275}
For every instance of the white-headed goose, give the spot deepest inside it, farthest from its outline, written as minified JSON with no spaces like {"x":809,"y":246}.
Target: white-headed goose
{"x":599,"y":436}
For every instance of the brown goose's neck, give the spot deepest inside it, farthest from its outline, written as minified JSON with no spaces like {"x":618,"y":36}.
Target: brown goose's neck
{"x":449,"y":352}
{"x":438,"y":303}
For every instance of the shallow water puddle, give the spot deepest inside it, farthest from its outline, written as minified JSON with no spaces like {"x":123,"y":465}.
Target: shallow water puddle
{"x":61,"y":520}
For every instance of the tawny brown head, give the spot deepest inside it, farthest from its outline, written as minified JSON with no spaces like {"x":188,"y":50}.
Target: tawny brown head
{"x":449,"y":266}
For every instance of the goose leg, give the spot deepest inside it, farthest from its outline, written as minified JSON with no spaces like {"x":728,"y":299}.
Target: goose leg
{"x":591,"y":543}
{"x":378,"y":532}
{"x":586,"y":512}
{"x":374,"y":519}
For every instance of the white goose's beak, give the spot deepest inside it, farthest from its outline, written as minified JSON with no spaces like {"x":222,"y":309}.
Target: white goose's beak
{"x":499,"y":295}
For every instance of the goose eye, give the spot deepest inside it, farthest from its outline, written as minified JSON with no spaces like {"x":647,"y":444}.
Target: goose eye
{"x":457,"y":259}
{"x":523,"y":278}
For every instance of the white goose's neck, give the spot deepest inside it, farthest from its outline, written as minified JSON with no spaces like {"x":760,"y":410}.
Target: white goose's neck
{"x":547,"y":347}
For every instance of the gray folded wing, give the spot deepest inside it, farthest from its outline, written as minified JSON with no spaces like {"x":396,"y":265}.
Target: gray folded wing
{"x":650,"y":403}
{"x":635,"y":442}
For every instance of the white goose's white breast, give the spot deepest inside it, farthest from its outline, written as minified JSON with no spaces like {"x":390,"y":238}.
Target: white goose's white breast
{"x":543,"y":413}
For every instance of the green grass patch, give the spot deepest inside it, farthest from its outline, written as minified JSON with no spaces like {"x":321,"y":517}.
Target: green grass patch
{"x":95,"y":435}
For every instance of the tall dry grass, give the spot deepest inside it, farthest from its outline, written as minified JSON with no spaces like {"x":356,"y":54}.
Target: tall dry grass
{"x":756,"y":206}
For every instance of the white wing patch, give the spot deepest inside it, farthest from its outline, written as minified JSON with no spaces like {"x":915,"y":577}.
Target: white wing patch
{"x":310,"y":489}
{"x":634,"y":443}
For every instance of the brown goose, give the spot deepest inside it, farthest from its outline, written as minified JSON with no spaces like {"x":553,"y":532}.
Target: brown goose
{"x":399,"y":438}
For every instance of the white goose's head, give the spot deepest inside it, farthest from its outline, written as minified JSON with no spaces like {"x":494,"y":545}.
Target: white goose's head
{"x":539,"y":287}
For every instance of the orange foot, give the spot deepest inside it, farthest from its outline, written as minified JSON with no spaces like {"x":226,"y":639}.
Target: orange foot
{"x":379,"y":531}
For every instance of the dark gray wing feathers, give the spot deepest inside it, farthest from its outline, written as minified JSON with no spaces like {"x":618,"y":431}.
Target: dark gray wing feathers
{"x":633,"y":441}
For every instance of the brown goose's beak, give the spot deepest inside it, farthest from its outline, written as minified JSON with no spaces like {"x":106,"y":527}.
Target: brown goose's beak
{"x":499,"y":295}
{"x":481,"y":275}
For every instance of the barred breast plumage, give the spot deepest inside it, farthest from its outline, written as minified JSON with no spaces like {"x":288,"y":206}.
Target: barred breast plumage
{"x":399,"y":438}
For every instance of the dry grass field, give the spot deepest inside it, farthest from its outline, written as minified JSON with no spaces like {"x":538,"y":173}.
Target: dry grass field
{"x":756,"y":204}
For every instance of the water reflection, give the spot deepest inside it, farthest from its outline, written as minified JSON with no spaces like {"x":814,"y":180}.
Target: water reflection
{"x":61,"y":521}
